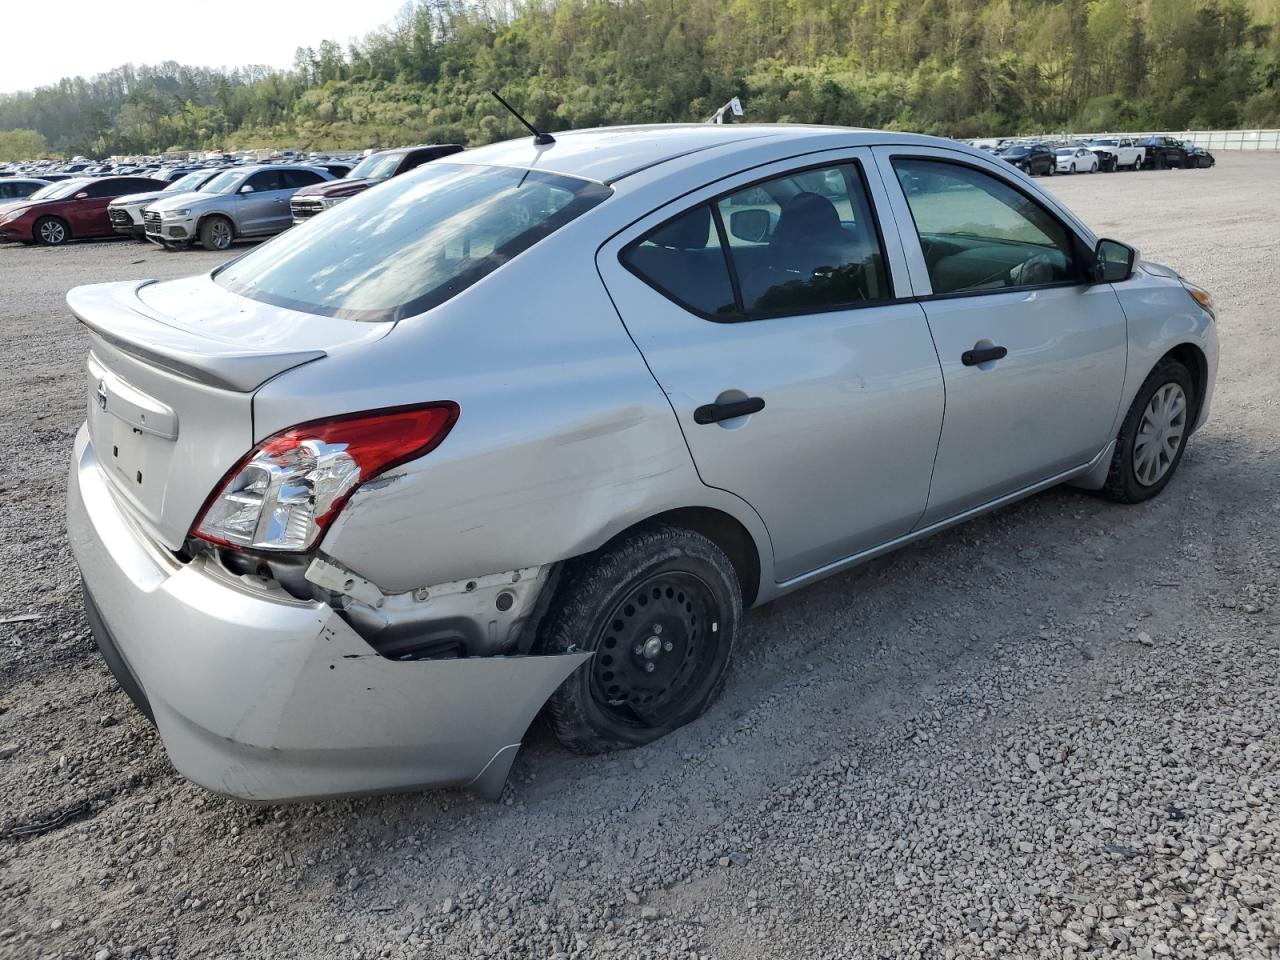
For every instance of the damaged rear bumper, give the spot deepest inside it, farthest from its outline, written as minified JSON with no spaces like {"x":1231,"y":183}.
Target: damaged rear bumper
{"x":264,"y":697}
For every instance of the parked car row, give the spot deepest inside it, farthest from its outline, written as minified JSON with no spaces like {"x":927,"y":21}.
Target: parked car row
{"x":214,"y":206}
{"x":1041,"y":157}
{"x":75,"y":208}
{"x":170,"y":167}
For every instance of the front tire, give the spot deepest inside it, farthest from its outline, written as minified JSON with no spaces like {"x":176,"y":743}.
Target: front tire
{"x":216,"y":234}
{"x":51,"y":231}
{"x":660,"y":610}
{"x":1153,"y":436}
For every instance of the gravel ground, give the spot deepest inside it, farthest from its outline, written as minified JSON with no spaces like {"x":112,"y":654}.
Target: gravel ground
{"x":1048,"y":733}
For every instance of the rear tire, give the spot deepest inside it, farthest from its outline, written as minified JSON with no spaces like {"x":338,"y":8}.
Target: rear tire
{"x":659,"y":609}
{"x":1153,"y":435}
{"x":51,"y":231}
{"x":216,"y":233}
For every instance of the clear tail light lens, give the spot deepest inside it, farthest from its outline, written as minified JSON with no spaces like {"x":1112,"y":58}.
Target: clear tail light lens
{"x":288,"y":489}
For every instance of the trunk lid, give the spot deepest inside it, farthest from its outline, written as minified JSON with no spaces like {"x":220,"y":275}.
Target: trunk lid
{"x":170,"y":380}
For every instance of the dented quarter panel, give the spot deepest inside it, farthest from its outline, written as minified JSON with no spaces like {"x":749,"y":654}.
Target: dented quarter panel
{"x":270,"y":698}
{"x":563,"y":439}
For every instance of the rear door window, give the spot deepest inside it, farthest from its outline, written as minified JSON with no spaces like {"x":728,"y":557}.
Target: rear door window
{"x":805,"y":241}
{"x":800,"y":243}
{"x":684,"y":260}
{"x":979,"y":233}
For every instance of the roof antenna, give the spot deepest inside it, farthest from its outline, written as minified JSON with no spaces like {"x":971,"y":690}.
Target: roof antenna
{"x":541,"y":139}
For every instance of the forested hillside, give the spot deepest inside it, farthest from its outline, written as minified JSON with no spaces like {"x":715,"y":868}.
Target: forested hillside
{"x":954,"y":67}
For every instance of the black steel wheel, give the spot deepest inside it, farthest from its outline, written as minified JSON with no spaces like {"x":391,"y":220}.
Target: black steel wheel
{"x":655,"y":647}
{"x":659,"y":610}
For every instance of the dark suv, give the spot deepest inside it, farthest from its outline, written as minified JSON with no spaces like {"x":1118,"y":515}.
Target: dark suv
{"x":1034,"y":159}
{"x":373,"y":169}
{"x":1165,"y":152}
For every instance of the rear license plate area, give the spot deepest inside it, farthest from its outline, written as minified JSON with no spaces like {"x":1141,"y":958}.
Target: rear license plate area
{"x":132,"y":433}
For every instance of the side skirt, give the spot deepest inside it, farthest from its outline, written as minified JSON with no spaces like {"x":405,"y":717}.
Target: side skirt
{"x":1084,"y":474}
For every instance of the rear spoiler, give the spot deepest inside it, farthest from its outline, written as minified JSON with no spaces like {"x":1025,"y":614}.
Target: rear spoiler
{"x":113,"y":312}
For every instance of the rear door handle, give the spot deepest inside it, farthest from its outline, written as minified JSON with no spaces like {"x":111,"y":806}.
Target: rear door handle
{"x":971,"y":358}
{"x":715,"y":412}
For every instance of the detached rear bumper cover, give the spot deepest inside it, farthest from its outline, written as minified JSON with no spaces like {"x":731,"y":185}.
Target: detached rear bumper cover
{"x":264,"y":697}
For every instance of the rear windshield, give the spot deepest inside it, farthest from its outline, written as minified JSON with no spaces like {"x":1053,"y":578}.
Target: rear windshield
{"x":411,"y":243}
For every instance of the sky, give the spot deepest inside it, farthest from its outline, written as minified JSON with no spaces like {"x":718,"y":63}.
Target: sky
{"x":92,"y":36}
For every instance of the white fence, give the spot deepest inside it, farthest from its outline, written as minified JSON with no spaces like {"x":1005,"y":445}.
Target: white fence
{"x":1234,"y":139}
{"x":1209,"y":139}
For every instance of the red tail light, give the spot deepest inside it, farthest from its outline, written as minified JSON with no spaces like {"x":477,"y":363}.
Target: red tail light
{"x":287,"y":490}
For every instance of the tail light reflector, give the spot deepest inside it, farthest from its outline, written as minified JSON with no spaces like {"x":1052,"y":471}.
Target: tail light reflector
{"x":288,"y":489}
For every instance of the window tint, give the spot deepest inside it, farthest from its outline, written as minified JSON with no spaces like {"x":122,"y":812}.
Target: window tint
{"x":107,"y":188}
{"x":979,"y":233}
{"x":265,"y":180}
{"x":684,"y":260}
{"x":301,"y":178}
{"x":805,"y":241}
{"x":415,"y":160}
{"x":413,"y":243}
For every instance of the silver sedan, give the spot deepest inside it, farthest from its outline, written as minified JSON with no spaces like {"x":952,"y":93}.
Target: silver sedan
{"x":529,"y":428}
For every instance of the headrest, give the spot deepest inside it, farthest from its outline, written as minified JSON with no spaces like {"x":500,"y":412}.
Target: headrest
{"x":687,"y":232}
{"x":806,"y":216}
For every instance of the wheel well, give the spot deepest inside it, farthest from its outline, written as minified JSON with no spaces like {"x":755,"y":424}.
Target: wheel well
{"x":51,"y":216}
{"x":726,"y":533}
{"x":210,"y":216}
{"x":1191,"y":357}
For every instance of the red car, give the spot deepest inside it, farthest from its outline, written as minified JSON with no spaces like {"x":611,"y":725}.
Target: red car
{"x":69,"y":210}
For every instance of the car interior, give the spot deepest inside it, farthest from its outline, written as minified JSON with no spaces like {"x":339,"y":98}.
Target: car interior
{"x":977,"y":233}
{"x":801,"y":241}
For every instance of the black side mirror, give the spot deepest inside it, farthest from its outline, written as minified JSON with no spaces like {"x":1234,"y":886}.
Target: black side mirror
{"x":751,"y":226}
{"x":1113,"y":261}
